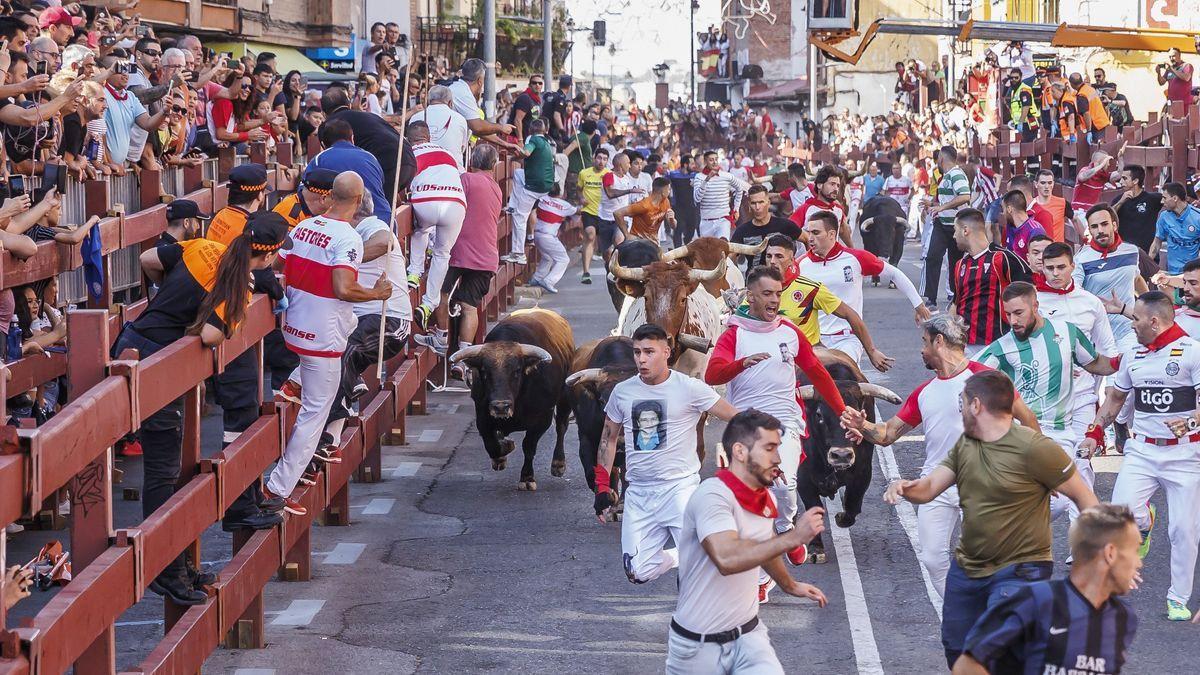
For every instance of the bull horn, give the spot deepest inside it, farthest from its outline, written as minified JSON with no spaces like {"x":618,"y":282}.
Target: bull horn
{"x":538,"y":353}
{"x":876,"y":391}
{"x":675,"y":254}
{"x":866,"y":224}
{"x":695,"y":343}
{"x":466,"y":353}
{"x":746,"y":249}
{"x":626,"y":273}
{"x":582,"y":376}
{"x":903,"y":222}
{"x":807,"y":393}
{"x":708,"y":275}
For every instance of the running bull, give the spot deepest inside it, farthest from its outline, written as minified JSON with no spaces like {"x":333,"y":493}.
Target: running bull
{"x":883,"y":225}
{"x":832,"y":459}
{"x":516,"y":378}
{"x":598,"y":366}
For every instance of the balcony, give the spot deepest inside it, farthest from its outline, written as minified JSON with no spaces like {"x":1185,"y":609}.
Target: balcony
{"x":218,"y":16}
{"x":518,"y":43}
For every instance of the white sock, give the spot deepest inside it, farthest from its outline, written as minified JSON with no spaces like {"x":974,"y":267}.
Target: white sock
{"x":335,"y":429}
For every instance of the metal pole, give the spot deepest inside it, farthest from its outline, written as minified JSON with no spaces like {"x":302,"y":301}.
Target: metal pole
{"x":547,"y":45}
{"x":594,"y":96}
{"x":692,"y":44}
{"x":812,"y":83}
{"x":489,"y":57}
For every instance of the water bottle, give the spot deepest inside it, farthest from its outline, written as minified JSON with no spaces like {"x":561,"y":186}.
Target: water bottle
{"x":13,"y":343}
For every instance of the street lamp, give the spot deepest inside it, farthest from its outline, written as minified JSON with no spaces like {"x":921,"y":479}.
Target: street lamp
{"x":695,"y":5}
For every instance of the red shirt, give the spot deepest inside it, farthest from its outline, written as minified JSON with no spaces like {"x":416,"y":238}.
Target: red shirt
{"x":1042,"y":216}
{"x":1087,"y":192}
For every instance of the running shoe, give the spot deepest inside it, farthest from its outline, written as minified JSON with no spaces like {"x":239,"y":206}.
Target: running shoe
{"x":422,"y":315}
{"x":1147,"y":533}
{"x":764,"y":591}
{"x":435,"y":343}
{"x":360,"y":389}
{"x":515,"y":258}
{"x":585,"y":278}
{"x":414,"y":282}
{"x":798,"y":555}
{"x":1177,"y":611}
{"x":289,"y":504}
{"x":130,"y":449}
{"x":290,"y":391}
{"x":548,"y":288}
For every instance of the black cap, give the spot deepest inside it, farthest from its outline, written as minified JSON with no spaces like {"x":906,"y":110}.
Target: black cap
{"x":268,"y":232}
{"x":185,"y":208}
{"x":248,"y":178}
{"x":319,"y":180}
{"x":564,"y":81}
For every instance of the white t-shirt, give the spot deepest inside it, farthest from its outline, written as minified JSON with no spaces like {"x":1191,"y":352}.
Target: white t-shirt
{"x":660,"y":425}
{"x":1163,"y":385}
{"x":438,"y":176}
{"x":465,"y":103}
{"x":399,"y":305}
{"x":609,"y":205}
{"x":935,"y":406}
{"x":448,"y":129}
{"x":1087,"y":313}
{"x":842,"y":273}
{"x":316,"y":323}
{"x":551,"y":212}
{"x":770,"y":385}
{"x":1189,"y":320}
{"x":899,"y":189}
{"x":710,"y":602}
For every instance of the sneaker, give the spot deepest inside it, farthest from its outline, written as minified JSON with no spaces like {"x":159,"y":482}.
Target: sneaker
{"x":130,"y":449}
{"x":290,"y":391}
{"x":288,"y":503}
{"x":515,"y":258}
{"x":1146,"y":534}
{"x":311,"y":473}
{"x":255,"y":520}
{"x":548,"y":288}
{"x":764,"y":591}
{"x":178,"y":591}
{"x":14,"y":528}
{"x":435,"y":343}
{"x":585,"y":278}
{"x":1177,"y":611}
{"x":329,"y":454}
{"x":422,"y":315}
{"x":798,"y":555}
{"x":414,"y":282}
{"x":360,"y":390}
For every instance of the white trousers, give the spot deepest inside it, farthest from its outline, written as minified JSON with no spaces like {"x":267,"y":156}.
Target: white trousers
{"x":714,"y":227}
{"x":1175,"y":469}
{"x":936,"y":521}
{"x":553,"y":260}
{"x":652,"y":514}
{"x":1082,"y":417}
{"x":521,"y":201}
{"x":784,"y":489}
{"x":750,"y":654}
{"x":1060,"y":503}
{"x":439,"y":221}
{"x":320,"y":377}
{"x":847,"y":344}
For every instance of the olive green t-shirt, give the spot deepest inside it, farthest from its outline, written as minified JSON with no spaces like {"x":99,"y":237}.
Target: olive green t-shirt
{"x":1004,"y":490}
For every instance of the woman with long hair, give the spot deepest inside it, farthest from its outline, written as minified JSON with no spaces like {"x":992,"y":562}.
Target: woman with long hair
{"x":290,"y":101}
{"x":231,"y":120}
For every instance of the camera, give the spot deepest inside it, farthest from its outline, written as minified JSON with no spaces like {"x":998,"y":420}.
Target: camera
{"x":56,"y":175}
{"x":142,"y":30}
{"x":123,"y":68}
{"x":16,"y":186}
{"x":108,"y":40}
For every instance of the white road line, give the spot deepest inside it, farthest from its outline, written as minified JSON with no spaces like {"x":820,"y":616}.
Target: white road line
{"x":404,"y":469}
{"x":343,"y":554}
{"x":380,"y":506}
{"x":254,"y":671}
{"x":911,"y":438}
{"x":448,"y":408}
{"x":150,"y":622}
{"x":866,"y":652}
{"x":299,"y":613}
{"x":430,"y":436}
{"x":908,"y":519}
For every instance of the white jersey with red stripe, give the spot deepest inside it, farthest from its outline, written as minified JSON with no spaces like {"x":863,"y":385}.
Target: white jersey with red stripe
{"x":437,"y":176}
{"x":842,"y":272}
{"x":551,"y":212}
{"x":769,"y":386}
{"x":796,"y":197}
{"x":900,"y":189}
{"x":812,"y":205}
{"x":1189,"y":320}
{"x":316,"y":322}
{"x":936,"y":407}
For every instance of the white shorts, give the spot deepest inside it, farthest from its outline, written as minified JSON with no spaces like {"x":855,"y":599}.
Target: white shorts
{"x":848,"y":344}
{"x":714,"y":227}
{"x":653,"y":513}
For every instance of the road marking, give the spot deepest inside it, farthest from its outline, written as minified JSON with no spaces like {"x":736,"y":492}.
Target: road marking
{"x":380,"y":506}
{"x":862,"y":635}
{"x":566,"y":651}
{"x":343,"y":554}
{"x":448,"y":408}
{"x":404,"y":469}
{"x":908,"y":519}
{"x":150,"y":622}
{"x":299,"y":613}
{"x":911,"y":438}
{"x":254,"y":671}
{"x":508,"y":636}
{"x":430,"y":436}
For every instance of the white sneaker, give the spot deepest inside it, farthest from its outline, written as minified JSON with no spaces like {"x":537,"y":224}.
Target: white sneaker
{"x":437,"y":344}
{"x":13,"y":528}
{"x":515,"y":258}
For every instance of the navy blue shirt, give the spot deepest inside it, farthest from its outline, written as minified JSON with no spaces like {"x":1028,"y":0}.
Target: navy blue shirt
{"x":1049,"y":627}
{"x":345,"y":156}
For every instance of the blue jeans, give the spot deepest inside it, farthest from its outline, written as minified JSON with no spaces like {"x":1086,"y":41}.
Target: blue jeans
{"x":967,"y":599}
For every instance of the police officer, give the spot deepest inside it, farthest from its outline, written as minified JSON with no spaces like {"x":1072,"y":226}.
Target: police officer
{"x":185,"y":221}
{"x":310,"y":199}
{"x":247,"y":194}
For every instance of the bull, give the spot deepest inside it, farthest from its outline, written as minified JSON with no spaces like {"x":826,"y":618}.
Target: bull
{"x":883,"y":225}
{"x":833,"y":459}
{"x":633,"y":252}
{"x":598,"y":367}
{"x":516,"y":378}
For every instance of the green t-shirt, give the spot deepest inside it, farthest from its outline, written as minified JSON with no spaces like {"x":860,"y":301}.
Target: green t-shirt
{"x":581,"y":157}
{"x":1004,"y":490}
{"x":539,"y":165}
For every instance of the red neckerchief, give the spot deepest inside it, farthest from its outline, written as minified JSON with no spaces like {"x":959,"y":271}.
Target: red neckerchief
{"x":833,"y":253}
{"x":1166,"y":337}
{"x":537,"y":98}
{"x":1039,"y":282}
{"x":1105,"y":251}
{"x":791,"y":273}
{"x":120,"y":96}
{"x":759,"y":502}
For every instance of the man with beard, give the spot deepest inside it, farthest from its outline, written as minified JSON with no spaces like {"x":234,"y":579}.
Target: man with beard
{"x":757,"y":357}
{"x":828,"y":186}
{"x":1005,"y":474}
{"x":1037,"y":355}
{"x":934,"y":405}
{"x":979,"y":278}
{"x":1188,"y":316}
{"x":726,"y":539}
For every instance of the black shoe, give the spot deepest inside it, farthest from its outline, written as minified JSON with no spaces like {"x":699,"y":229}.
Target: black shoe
{"x":178,"y":591}
{"x":269,"y":504}
{"x":256,"y":520}
{"x":585,"y":278}
{"x":358,"y":391}
{"x":200,"y":579}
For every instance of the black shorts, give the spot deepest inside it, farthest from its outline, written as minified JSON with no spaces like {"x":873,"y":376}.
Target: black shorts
{"x":606,"y":230}
{"x":473,"y":285}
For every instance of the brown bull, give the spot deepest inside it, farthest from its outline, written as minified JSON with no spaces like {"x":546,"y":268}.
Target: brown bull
{"x":666,"y":286}
{"x":708,"y":252}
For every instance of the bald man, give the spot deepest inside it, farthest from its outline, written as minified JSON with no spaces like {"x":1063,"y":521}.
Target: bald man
{"x":320,"y":270}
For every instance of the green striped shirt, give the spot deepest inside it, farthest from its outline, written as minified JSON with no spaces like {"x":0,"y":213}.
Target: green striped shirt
{"x":1040,"y":367}
{"x":953,"y":184}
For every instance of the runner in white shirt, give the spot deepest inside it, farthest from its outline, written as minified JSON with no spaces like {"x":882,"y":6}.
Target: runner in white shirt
{"x":899,"y":187}
{"x":447,"y":127}
{"x":657,"y":411}
{"x":439,"y":208}
{"x":799,"y":190}
{"x":615,"y":190}
{"x":553,"y":260}
{"x":935,"y":406}
{"x":713,"y":190}
{"x":1188,"y":316}
{"x":320,"y":272}
{"x":725,"y":538}
{"x":757,"y":357}
{"x":843,"y":271}
{"x":1163,"y":450}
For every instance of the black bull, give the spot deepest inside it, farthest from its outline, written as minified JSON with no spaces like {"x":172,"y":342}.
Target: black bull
{"x":883,"y":225}
{"x":516,"y":378}
{"x":833,"y":461}
{"x":635,"y":252}
{"x":598,"y":367}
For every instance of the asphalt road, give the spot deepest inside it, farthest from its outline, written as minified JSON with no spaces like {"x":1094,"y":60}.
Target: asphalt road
{"x":447,"y":568}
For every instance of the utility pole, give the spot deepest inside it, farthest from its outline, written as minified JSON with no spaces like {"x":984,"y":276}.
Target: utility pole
{"x":692,"y":43}
{"x":489,"y":57}
{"x":547,"y":44}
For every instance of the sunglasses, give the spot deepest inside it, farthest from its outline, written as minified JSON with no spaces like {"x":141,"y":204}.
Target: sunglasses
{"x":152,"y":54}
{"x":178,"y":110}
{"x":245,"y":86}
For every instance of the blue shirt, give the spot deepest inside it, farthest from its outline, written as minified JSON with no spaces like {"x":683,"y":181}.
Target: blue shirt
{"x":872,"y":186}
{"x":120,"y":116}
{"x":1180,"y":236}
{"x":345,"y":156}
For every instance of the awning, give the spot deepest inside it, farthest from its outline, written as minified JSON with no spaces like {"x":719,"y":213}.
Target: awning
{"x":784,"y":91}
{"x":287,"y":59}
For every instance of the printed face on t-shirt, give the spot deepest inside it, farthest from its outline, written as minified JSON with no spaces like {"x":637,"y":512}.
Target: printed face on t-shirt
{"x":649,"y":425}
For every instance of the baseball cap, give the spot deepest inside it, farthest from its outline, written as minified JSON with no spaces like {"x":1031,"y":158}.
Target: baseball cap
{"x":248,"y":178}
{"x":54,"y":16}
{"x":319,"y":180}
{"x":185,"y":208}
{"x":268,"y":232}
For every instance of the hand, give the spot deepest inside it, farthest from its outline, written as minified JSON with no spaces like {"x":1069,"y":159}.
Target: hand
{"x":35,"y":84}
{"x":1086,"y":448}
{"x":755,"y":359}
{"x":1182,"y":426}
{"x":30,"y":348}
{"x":17,"y":581}
{"x":602,"y":503}
{"x":802,"y":590}
{"x":922,"y":313}
{"x":507,"y":129}
{"x":382,"y":288}
{"x":895,"y":491}
{"x":809,"y":525}
{"x":52,"y":198}
{"x":853,"y":419}
{"x":881,"y":361}
{"x":256,"y":134}
{"x":1112,"y":304}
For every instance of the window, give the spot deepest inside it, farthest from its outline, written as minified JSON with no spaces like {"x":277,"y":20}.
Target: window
{"x":1033,"y":11}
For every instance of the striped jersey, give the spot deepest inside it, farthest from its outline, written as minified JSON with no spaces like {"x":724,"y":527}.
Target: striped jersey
{"x":977,"y":283}
{"x":1084,"y":311}
{"x":551,"y":212}
{"x":1049,"y":627}
{"x":1162,"y":377}
{"x":713,"y":194}
{"x":316,"y":322}
{"x":984,"y":191}
{"x":954,"y":184}
{"x":1105,"y":272}
{"x":437,"y":177}
{"x":1040,"y":368}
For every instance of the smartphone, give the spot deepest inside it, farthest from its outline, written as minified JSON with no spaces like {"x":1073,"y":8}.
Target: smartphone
{"x":228,"y":55}
{"x":108,"y":40}
{"x":56,"y":175}
{"x":39,"y":68}
{"x":142,"y":30}
{"x":16,"y":186}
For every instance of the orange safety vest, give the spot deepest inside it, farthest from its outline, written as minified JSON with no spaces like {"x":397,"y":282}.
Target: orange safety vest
{"x":1095,"y":109}
{"x":1068,"y":123}
{"x":227,"y":225}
